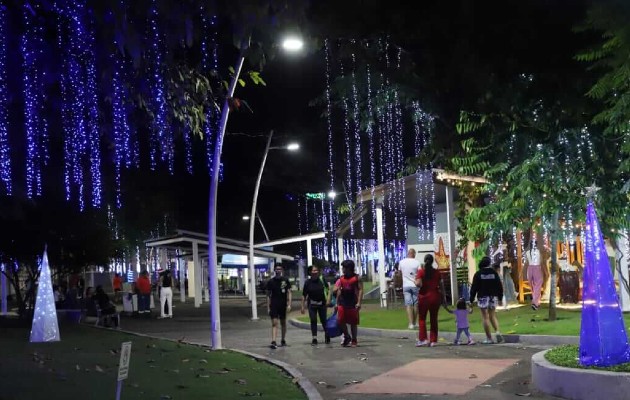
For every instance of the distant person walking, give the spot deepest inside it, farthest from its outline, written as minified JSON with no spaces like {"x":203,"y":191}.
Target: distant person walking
{"x":117,"y":286}
{"x":535,"y":274}
{"x":409,"y":267}
{"x":278,"y":303}
{"x":166,"y":294}
{"x":315,"y":297}
{"x":486,"y":286}
{"x":428,"y":280}
{"x":349,"y":289}
{"x":143,"y":287}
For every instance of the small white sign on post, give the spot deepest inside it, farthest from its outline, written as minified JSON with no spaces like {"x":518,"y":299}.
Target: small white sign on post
{"x":123,"y":366}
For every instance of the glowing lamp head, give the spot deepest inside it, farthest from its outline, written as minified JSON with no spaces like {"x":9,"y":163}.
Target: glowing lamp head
{"x":332,"y":194}
{"x":245,"y":217}
{"x":292,"y":44}
{"x":293,"y":146}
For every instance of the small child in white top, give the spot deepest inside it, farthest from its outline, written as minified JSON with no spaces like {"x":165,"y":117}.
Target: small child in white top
{"x":461,"y":320}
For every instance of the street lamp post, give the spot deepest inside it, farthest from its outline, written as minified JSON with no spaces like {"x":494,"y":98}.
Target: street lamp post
{"x":213,"y":281}
{"x":252,"y":223}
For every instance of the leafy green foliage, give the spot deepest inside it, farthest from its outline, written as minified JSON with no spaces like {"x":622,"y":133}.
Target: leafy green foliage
{"x":568,"y":355}
{"x":610,"y":58}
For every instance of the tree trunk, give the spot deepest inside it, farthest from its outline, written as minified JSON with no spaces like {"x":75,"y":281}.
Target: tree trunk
{"x":554,"y":267}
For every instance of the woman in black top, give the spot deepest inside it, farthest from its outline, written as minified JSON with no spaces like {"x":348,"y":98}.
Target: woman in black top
{"x":316,"y":295}
{"x":166,"y":294}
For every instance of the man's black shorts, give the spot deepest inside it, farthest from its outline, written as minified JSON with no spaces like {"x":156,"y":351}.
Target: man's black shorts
{"x":278,"y":311}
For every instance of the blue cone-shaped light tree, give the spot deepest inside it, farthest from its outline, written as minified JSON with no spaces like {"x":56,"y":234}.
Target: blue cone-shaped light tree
{"x":45,"y":327}
{"x":603,"y":338}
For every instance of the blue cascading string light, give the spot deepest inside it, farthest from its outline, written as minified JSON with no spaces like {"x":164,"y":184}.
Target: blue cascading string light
{"x":123,"y":140}
{"x":36,"y":127}
{"x":210,"y":65}
{"x":5,"y":155}
{"x":93,"y":115}
{"x":356,"y":125}
{"x":162,"y":134}
{"x":80,"y":116}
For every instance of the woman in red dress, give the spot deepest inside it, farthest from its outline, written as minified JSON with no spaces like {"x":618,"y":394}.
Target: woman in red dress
{"x":429,"y":300}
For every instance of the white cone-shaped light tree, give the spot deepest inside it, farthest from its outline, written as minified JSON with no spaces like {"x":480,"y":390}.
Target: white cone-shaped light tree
{"x":45,"y":326}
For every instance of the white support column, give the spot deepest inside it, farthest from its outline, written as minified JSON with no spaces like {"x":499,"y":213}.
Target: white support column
{"x":246,"y":283}
{"x":381,"y":252}
{"x":309,"y":261}
{"x":163,"y":259}
{"x":340,"y":251}
{"x":206,"y":283}
{"x":622,"y":255}
{"x":3,"y":289}
{"x":182,"y":279}
{"x":450,"y":218}
{"x":198,"y":275}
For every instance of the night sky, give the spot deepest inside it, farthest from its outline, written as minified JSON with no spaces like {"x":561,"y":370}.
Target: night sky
{"x":457,"y":49}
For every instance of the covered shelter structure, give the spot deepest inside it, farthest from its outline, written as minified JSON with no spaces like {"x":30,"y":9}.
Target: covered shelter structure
{"x":192,"y":248}
{"x":430,"y":225}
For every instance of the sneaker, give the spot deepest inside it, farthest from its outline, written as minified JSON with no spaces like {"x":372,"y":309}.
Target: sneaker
{"x":283,"y":343}
{"x":487,"y":341}
{"x":534,"y":307}
{"x":346,"y":342}
{"x":273,"y":346}
{"x":456,"y":342}
{"x":314,"y":342}
{"x":353,"y":343}
{"x":327,"y":339}
{"x":471,"y":342}
{"x":432,"y":344}
{"x":411,"y":326}
{"x":421,"y":343}
{"x":499,"y":338}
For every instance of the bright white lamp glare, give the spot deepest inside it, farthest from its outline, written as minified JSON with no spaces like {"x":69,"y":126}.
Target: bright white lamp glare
{"x":245,"y":217}
{"x":293,"y":146}
{"x":332,"y":194}
{"x":292,"y":44}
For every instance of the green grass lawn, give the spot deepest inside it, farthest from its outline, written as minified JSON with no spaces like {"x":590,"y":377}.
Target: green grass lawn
{"x":567,"y":356}
{"x":84,"y":365}
{"x":520,"y":320}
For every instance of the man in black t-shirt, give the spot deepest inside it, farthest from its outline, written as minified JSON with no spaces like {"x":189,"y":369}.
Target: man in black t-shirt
{"x":278,"y":303}
{"x":316,"y":295}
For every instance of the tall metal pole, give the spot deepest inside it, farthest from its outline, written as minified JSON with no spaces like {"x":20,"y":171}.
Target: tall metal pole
{"x":213,"y":281}
{"x":252,"y":223}
{"x":380,"y":237}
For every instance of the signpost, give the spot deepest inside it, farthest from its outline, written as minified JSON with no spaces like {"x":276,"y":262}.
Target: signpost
{"x":123,"y":366}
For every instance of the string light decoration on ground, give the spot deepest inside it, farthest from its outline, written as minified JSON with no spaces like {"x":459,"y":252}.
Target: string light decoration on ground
{"x":45,"y":326}
{"x":5,"y":156}
{"x":603,"y":337}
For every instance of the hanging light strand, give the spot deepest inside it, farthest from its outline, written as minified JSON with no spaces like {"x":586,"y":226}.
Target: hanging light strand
{"x":162,"y":138}
{"x":5,"y":156}
{"x":33,"y":79}
{"x":357,"y":129}
{"x":370,"y":135}
{"x":331,"y":171}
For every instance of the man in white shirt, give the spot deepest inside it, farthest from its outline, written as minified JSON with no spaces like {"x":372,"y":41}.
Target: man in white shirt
{"x":409,"y":268}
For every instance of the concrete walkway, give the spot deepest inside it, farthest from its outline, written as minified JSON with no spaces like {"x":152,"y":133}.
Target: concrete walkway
{"x":382,"y":367}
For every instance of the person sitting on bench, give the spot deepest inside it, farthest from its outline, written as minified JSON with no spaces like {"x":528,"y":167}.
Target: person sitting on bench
{"x":108,"y":309}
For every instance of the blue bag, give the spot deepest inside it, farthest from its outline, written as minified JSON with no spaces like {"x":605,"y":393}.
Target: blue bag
{"x":332,"y":329}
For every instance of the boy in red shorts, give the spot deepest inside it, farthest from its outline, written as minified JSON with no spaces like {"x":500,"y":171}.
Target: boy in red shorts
{"x":349,"y":289}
